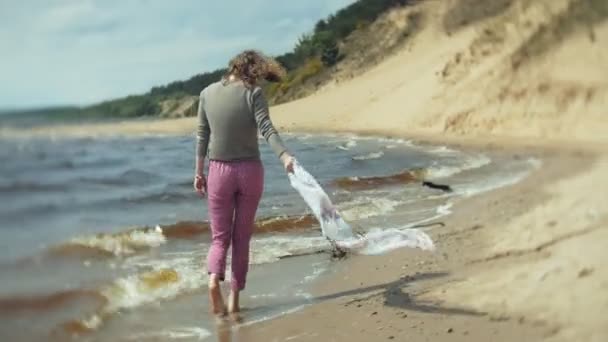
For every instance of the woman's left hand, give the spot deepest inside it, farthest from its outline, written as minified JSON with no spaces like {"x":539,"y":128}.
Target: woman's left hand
{"x":200,"y":184}
{"x":288,"y":161}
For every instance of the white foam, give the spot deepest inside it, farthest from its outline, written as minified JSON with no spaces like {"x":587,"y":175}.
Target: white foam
{"x":495,"y":182}
{"x":535,"y":163}
{"x":92,"y":323}
{"x":490,"y":184}
{"x":445,"y":209}
{"x":148,"y":287}
{"x":395,"y":141}
{"x":189,"y":333}
{"x":182,"y":260}
{"x":123,"y":243}
{"x":443,"y":150}
{"x":348,"y":145}
{"x":441,"y":211}
{"x":271,"y":249}
{"x":366,"y":207}
{"x":382,"y":241}
{"x":369,"y":156}
{"x":180,"y":272}
{"x":277,"y":315}
{"x":471,"y":163}
{"x":318,"y":269}
{"x":263,"y":296}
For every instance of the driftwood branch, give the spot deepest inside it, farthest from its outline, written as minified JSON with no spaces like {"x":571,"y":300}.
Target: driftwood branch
{"x":442,"y":187}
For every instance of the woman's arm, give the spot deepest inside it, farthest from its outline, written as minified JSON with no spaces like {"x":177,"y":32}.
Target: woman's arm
{"x":266,"y":128}
{"x":202,"y":137}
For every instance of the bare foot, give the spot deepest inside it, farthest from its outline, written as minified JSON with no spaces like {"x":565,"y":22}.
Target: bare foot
{"x":223,"y":330}
{"x":233,"y":302}
{"x":215,"y":297}
{"x":236,"y":317}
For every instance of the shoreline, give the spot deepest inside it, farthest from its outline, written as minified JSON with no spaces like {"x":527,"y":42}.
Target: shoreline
{"x":409,"y":303}
{"x":187,"y":126}
{"x":471,"y":299}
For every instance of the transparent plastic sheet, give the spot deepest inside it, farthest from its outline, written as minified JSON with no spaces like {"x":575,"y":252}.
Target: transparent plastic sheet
{"x":334,"y":228}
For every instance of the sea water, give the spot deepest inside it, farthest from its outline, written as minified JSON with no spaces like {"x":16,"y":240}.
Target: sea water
{"x":105,"y":239}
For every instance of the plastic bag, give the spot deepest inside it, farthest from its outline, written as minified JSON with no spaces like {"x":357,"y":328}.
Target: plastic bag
{"x":382,"y":241}
{"x":333,"y":226}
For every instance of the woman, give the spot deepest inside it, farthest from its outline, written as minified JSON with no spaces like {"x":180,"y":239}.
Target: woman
{"x":230,"y":114}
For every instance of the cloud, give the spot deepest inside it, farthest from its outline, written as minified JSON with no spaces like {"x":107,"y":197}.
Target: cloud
{"x":83,"y":51}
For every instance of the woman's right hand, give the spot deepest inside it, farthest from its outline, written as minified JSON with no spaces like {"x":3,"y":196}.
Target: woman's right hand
{"x":288,"y":161}
{"x":200,"y":184}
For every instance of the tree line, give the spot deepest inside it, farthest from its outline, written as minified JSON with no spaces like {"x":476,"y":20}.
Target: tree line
{"x":312,"y":53}
{"x":321,"y":43}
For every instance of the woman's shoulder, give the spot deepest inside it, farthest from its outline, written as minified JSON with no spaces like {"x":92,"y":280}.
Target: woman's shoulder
{"x":256,"y":91}
{"x":208,"y":88}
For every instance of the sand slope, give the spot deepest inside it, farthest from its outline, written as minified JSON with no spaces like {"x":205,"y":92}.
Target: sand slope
{"x":549,"y":263}
{"x":538,"y":70}
{"x":489,"y":78}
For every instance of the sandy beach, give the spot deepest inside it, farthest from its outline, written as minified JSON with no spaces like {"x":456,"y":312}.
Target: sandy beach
{"x":510,"y":266}
{"x":522,"y":263}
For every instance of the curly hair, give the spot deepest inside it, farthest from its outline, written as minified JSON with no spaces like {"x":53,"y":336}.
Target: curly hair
{"x":251,"y":66}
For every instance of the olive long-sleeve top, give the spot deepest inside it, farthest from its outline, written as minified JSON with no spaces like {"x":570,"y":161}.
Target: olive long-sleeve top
{"x":229,"y":118}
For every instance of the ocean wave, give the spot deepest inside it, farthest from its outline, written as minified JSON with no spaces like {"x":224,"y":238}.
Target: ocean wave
{"x":38,"y":209}
{"x":48,"y":302}
{"x":26,"y":186}
{"x":174,"y":274}
{"x":380,"y":139}
{"x":152,"y":286}
{"x":72,"y":164}
{"x":442,"y":150}
{"x":369,"y":156}
{"x":470,"y":163}
{"x":475,"y":188}
{"x":136,"y":240}
{"x":190,"y":229}
{"x":128,"y":177}
{"x":486,"y":184}
{"x":271,"y":249}
{"x":366,"y":207}
{"x":137,"y":290}
{"x":285,"y":223}
{"x":120,"y":244}
{"x":348,"y":145}
{"x":185,"y":230}
{"x":171,"y":277}
{"x":160,"y":197}
{"x":364,"y":183}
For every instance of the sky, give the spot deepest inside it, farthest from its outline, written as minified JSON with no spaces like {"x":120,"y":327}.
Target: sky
{"x":78,"y":52}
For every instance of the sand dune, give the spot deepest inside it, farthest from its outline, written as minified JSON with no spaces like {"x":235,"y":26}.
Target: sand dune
{"x":536,"y":73}
{"x":485,"y":79}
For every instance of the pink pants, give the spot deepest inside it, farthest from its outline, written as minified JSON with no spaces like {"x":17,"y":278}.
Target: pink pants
{"x":234,"y":190}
